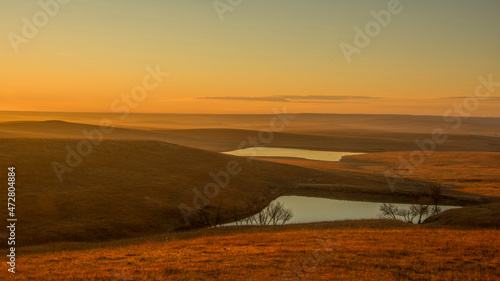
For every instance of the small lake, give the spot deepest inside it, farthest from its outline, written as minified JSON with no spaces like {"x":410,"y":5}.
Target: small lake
{"x":290,"y":152}
{"x":312,"y":209}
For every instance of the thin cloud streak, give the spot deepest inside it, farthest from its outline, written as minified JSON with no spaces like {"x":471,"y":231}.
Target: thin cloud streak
{"x":268,"y":98}
{"x":464,"y":97}
{"x":295,"y":98}
{"x":319,"y":97}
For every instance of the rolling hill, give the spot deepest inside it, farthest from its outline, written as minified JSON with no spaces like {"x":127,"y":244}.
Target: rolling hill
{"x":127,"y":188}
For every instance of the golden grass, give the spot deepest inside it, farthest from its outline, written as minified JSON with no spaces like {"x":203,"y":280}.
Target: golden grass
{"x":324,"y":124}
{"x":408,"y":253}
{"x":131,"y":188}
{"x":480,"y":216}
{"x":226,"y":133}
{"x":470,"y":172}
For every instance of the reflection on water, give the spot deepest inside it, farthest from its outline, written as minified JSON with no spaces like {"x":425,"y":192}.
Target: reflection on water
{"x":290,"y":152}
{"x":311,"y":209}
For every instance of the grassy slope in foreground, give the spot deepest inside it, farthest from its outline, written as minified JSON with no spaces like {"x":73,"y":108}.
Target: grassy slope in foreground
{"x":359,"y":250}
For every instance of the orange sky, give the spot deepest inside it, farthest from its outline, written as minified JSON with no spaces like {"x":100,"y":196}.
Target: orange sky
{"x":90,"y":53}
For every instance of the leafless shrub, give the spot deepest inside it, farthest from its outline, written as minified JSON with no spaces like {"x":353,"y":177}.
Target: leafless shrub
{"x":208,"y":216}
{"x":275,"y":213}
{"x":422,"y":211}
{"x":389,"y":211}
{"x":435,"y":193}
{"x":407,"y":214}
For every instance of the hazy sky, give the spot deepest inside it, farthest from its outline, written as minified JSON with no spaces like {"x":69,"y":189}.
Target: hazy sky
{"x":260,"y":55}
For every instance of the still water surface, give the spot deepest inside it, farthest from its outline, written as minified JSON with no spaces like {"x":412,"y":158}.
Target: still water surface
{"x":312,"y":209}
{"x":290,"y":152}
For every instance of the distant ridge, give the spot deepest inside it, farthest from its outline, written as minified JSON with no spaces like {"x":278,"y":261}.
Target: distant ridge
{"x":226,"y":139}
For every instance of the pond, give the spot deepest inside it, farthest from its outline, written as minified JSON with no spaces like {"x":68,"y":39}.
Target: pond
{"x":290,"y":152}
{"x":311,"y":209}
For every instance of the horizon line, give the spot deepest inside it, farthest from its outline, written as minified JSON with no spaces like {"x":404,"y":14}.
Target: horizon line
{"x":254,"y":114}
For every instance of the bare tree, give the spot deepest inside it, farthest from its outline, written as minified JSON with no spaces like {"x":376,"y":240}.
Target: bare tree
{"x":235,"y":217}
{"x":389,"y":211}
{"x":204,"y":216}
{"x":250,"y":220}
{"x":263,"y":216}
{"x":208,"y":216}
{"x":407,"y":215}
{"x":428,"y":206}
{"x":286,"y":215}
{"x":435,"y":210}
{"x":420,"y":210}
{"x":217,"y":218}
{"x":435,"y":193}
{"x":274,"y":213}
{"x":278,"y":213}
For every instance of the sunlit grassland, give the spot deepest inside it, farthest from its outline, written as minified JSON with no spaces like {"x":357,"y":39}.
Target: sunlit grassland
{"x":391,"y":251}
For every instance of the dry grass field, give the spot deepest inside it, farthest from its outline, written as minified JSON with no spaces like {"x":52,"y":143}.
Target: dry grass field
{"x":115,"y":216}
{"x":103,"y":200}
{"x":132,"y":188}
{"x":362,"y":250}
{"x":321,"y":124}
{"x":221,"y":139}
{"x":469,"y":172}
{"x":249,"y":140}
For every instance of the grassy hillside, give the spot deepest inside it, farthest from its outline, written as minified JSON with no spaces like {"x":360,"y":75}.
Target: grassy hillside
{"x":301,"y":123}
{"x":481,"y":216}
{"x":115,"y":215}
{"x":338,"y":140}
{"x":361,"y":250}
{"x":133,"y":188}
{"x":230,"y":139}
{"x":468,"y":172}
{"x":128,"y":188}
